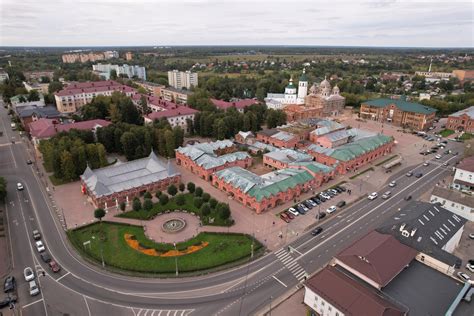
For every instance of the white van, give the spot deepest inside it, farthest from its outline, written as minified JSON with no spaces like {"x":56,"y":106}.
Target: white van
{"x":13,"y":125}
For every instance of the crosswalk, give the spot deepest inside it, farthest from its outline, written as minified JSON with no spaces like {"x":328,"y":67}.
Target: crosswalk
{"x":159,"y":312}
{"x":292,"y":265}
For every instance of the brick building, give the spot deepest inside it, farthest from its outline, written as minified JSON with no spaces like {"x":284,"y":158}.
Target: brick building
{"x":299,"y":112}
{"x":282,"y":158}
{"x":240,"y":105}
{"x":204,"y":159}
{"x":108,"y":187}
{"x":276,"y":138}
{"x":324,"y":127}
{"x":462,"y":120}
{"x":398,"y":112}
{"x":327,"y":101}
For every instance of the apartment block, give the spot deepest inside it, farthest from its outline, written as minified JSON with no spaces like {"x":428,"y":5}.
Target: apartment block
{"x":182,"y":79}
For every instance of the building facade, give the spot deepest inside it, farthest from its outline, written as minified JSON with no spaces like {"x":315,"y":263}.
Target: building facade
{"x":327,"y":101}
{"x":175,"y":95}
{"x":182,"y":79}
{"x":399,"y":112}
{"x":128,"y":56}
{"x":130,"y":71}
{"x":462,"y":120}
{"x":282,"y":158}
{"x":454,"y":201}
{"x":464,"y":175}
{"x":88,"y":57}
{"x":151,"y":87}
{"x":299,"y":112}
{"x":177,"y":116}
{"x":292,"y":95}
{"x":276,"y":138}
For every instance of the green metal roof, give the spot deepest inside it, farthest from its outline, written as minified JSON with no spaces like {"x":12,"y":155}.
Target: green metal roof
{"x":402,"y":104}
{"x":353,"y":150}
{"x":303,"y":77}
{"x":291,"y":86}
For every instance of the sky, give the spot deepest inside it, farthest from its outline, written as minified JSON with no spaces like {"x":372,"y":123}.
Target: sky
{"x":402,"y":23}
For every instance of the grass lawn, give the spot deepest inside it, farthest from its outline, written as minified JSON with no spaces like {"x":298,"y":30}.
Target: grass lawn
{"x":222,"y":249}
{"x":361,"y":173}
{"x":446,"y":132}
{"x":171,"y":206}
{"x":466,"y":136}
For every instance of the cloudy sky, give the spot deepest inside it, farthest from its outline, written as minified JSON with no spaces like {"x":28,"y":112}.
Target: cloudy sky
{"x":435,"y":23}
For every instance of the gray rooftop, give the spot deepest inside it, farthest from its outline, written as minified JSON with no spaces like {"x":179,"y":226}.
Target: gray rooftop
{"x":127,"y":175}
{"x":40,"y":111}
{"x":426,"y":227}
{"x":289,"y":155}
{"x":326,"y":126}
{"x":469,"y":112}
{"x":284,"y":136}
{"x":454,"y":196}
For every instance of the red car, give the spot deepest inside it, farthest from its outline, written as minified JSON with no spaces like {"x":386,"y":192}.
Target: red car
{"x":54,"y":266}
{"x":285,"y":217}
{"x":290,"y":216}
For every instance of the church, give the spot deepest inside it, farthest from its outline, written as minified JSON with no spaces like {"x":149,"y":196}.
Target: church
{"x":292,"y":95}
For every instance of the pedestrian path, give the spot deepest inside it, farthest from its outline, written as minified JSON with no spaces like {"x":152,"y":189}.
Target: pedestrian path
{"x":288,"y":261}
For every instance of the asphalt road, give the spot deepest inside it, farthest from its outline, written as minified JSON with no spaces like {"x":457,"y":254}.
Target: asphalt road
{"x":84,"y":289}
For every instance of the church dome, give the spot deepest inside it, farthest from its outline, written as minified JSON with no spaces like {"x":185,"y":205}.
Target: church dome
{"x":290,"y":85}
{"x":325,"y":84}
{"x":314,"y":88}
{"x":335,"y":90}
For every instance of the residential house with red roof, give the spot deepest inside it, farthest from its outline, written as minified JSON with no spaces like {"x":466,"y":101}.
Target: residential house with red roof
{"x":240,"y":105}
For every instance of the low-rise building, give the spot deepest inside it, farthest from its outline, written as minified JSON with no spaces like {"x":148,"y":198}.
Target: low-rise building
{"x":324,"y":127}
{"x":21,"y":100}
{"x":108,"y":187}
{"x":3,"y":75}
{"x":176,"y":116}
{"x":399,"y":112}
{"x":239,"y":105}
{"x":299,"y":112}
{"x":454,"y":201}
{"x":462,"y":120}
{"x":204,"y":159}
{"x":282,"y":158}
{"x":40,"y":87}
{"x":28,"y":114}
{"x":464,"y":176}
{"x":37,"y":75}
{"x":277,"y":138}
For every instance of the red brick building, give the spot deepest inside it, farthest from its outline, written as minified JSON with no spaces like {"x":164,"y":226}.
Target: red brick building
{"x":203,"y":159}
{"x":299,"y":112}
{"x":281,"y":159}
{"x":462,"y":120}
{"x":276,"y":138}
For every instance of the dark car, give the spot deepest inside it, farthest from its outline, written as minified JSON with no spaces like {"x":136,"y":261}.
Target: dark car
{"x":7,"y":301}
{"x":342,"y":188}
{"x":419,"y":175}
{"x":341,"y":204}
{"x":300,"y":210}
{"x":9,"y":285}
{"x":45,"y":257}
{"x":330,"y":193}
{"x":29,"y":162}
{"x":321,"y":215}
{"x":307,"y":204}
{"x":322,"y":198}
{"x":408,"y":198}
{"x":317,"y":231}
{"x":338,"y":189}
{"x":283,"y":216}
{"x":316,"y":200}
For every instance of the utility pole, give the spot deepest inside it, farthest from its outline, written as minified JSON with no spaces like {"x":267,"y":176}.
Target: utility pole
{"x":176,"y":258}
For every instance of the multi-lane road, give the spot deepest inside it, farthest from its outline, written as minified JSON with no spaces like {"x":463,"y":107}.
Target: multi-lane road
{"x":84,"y":289}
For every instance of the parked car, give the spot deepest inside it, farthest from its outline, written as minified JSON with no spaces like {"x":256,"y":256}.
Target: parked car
{"x":447,"y":152}
{"x":321,"y":215}
{"x":438,"y":156}
{"x":342,"y":188}
{"x":311,"y":202}
{"x":463,"y":276}
{"x":392,"y":184}
{"x":426,"y":164}
{"x":419,"y":175}
{"x":334,"y":191}
{"x":34,"y":289}
{"x":471,"y":261}
{"x":7,"y":301}
{"x":316,"y":200}
{"x":19,"y":186}
{"x":54,"y":266}
{"x":300,"y":210}
{"x":39,"y":246}
{"x":470,"y":267}
{"x":28,"y":274}
{"x":293,"y":211}
{"x":45,"y":257}
{"x":338,"y":189}
{"x":283,"y":216}
{"x":317,"y":231}
{"x":290,"y":215}
{"x":331,"y":209}
{"x":303,"y":207}
{"x":341,"y":204}
{"x":408,"y":198}
{"x":409,"y":173}
{"x":36,"y":235}
{"x":386,"y":195}
{"x":10,"y":284}
{"x":324,"y":195}
{"x":322,"y":198}
{"x":372,"y":196}
{"x":330,"y":193}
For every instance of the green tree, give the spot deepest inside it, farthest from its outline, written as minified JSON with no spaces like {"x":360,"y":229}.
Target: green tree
{"x":181,"y":187}
{"x":164,"y":199}
{"x":206,"y":197}
{"x":99,"y":213}
{"x":158,"y":194}
{"x":179,"y":199}
{"x":55,"y":86}
{"x":147,"y":195}
{"x":129,"y":144}
{"x":144,"y":108}
{"x":198,"y":191}
{"x":123,"y":205}
{"x":136,"y":204}
{"x":67,"y":166}
{"x":223,"y":210}
{"x":213,"y":203}
{"x":170,"y":143}
{"x":101,"y":155}
{"x":191,"y":187}
{"x":205,"y":209}
{"x":113,"y":74}
{"x":147,"y":204}
{"x":172,"y":190}
{"x":3,"y":189}
{"x":33,"y":95}
{"x":197,"y":202}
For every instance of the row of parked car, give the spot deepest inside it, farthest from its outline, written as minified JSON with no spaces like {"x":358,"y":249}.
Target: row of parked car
{"x":303,"y":207}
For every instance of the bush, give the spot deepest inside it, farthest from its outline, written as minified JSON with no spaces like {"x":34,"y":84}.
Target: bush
{"x":164,"y":199}
{"x":206,"y":197}
{"x":181,"y":187}
{"x":99,"y":213}
{"x":136,"y":205}
{"x":213,"y":203}
{"x":180,"y":200}
{"x":172,"y":190}
{"x":205,"y":209}
{"x":197,"y":202}
{"x":147,"y":205}
{"x":123,"y":205}
{"x":191,"y":187}
{"x":223,"y":210}
{"x":147,"y":195}
{"x":158,"y":194}
{"x":198,"y":191}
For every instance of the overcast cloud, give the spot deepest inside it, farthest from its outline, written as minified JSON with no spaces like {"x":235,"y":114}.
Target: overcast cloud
{"x":259,"y":22}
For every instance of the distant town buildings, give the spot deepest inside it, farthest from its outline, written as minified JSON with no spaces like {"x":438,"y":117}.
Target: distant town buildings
{"x":398,"y":112}
{"x":151,"y":87}
{"x":128,"y":56}
{"x":240,"y":105}
{"x":3,"y":75}
{"x":434,"y":76}
{"x":130,"y":71}
{"x":37,"y":75}
{"x":464,"y":75}
{"x":182,"y":79}
{"x":88,"y":57}
{"x":462,"y":120}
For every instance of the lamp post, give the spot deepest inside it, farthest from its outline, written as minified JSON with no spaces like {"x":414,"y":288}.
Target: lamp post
{"x":176,"y":258}
{"x":270,"y":311}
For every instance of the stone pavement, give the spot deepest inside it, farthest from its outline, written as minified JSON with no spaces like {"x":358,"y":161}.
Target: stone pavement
{"x":291,"y":306}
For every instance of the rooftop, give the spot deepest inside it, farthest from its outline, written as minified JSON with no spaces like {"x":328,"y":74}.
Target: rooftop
{"x":402,"y":105}
{"x":46,"y":128}
{"x":312,"y":166}
{"x":240,"y":104}
{"x":378,"y":256}
{"x":351,"y":296}
{"x":283,"y":136}
{"x":288,"y":156}
{"x":127,"y":175}
{"x":268,"y":132}
{"x":93,"y":86}
{"x":425,"y":227}
{"x":39,"y":111}
{"x":467,"y":164}
{"x":178,"y":111}
{"x":326,"y":126}
{"x":454,"y":196}
{"x":469,"y":112}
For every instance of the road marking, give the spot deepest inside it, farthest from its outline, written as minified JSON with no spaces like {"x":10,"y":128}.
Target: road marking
{"x":58,"y":279}
{"x":9,"y":232}
{"x":87,"y":305}
{"x":27,"y":305}
{"x":279,"y":281}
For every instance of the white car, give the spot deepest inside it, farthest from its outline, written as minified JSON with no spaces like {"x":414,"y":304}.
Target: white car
{"x":372,"y":196}
{"x":470,"y":267}
{"x":392,"y":184}
{"x":438,"y":156}
{"x":19,"y":186}
{"x":331,"y":209}
{"x":326,"y":196}
{"x":40,"y":246}
{"x":28,"y":274}
{"x":463,"y":276}
{"x":386,"y":195}
{"x":426,"y":164}
{"x":34,"y":289}
{"x":293,"y":211}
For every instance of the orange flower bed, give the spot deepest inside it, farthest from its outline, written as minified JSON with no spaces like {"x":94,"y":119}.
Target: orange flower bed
{"x":133,"y":243}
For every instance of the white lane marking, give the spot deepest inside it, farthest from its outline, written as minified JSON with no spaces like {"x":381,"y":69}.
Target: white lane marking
{"x":9,"y":237}
{"x":32,"y":303}
{"x":87,"y":305}
{"x":58,"y":279}
{"x":139,"y":312}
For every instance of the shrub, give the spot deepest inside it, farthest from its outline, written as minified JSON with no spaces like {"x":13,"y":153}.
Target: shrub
{"x":223,"y":210}
{"x":198,"y":191}
{"x":136,"y":205}
{"x":213,"y":203}
{"x":206,"y":197}
{"x":164,"y":199}
{"x":172,"y":190}
{"x":181,"y":187}
{"x":180,"y":200}
{"x":158,"y":194}
{"x":197,"y":202}
{"x":205,"y":209}
{"x":147,"y":195}
{"x":191,"y":187}
{"x":123,"y":205}
{"x":147,"y":205}
{"x":99,"y":213}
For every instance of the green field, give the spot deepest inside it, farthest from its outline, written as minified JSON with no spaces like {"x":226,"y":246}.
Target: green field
{"x":222,"y":249}
{"x":446,"y":132}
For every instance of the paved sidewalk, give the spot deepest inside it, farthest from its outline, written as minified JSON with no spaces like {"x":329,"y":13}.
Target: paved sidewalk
{"x":291,"y":306}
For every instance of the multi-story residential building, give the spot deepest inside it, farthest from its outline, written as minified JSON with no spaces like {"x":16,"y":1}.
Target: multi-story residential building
{"x":3,"y":75}
{"x":240,"y":105}
{"x":182,"y":79}
{"x":399,"y":112}
{"x":77,"y":94}
{"x":177,"y":116}
{"x":327,"y":101}
{"x":131,"y":71}
{"x":175,"y":95}
{"x":153,"y":88}
{"x":37,"y":75}
{"x":454,"y":201}
{"x":128,"y":56}
{"x":464,"y":175}
{"x":88,"y":57}
{"x":462,"y":120}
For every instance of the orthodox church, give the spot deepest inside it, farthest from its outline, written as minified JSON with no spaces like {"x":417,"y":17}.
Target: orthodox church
{"x":292,"y":95}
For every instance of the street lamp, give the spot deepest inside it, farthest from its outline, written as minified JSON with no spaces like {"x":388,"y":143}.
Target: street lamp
{"x":271,"y":298}
{"x":176,"y":258}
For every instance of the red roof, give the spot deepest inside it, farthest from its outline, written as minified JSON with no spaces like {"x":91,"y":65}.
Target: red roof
{"x":467,"y":164}
{"x":377,"y":256}
{"x":156,"y":101}
{"x":241,"y":104}
{"x":350,"y":296}
{"x":46,"y":128}
{"x":178,"y":111}
{"x":94,"y":86}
